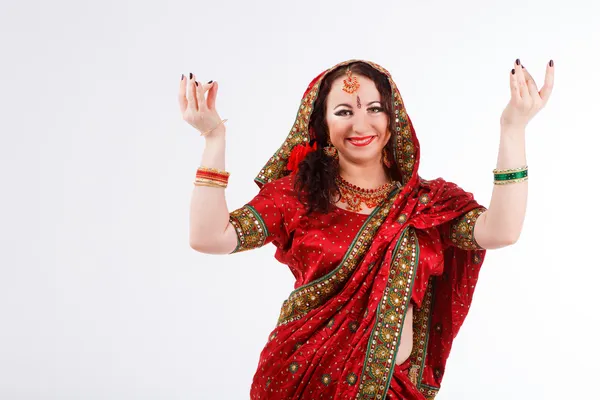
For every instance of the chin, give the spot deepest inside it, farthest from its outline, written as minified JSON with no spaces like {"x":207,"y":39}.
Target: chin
{"x":362,"y":154}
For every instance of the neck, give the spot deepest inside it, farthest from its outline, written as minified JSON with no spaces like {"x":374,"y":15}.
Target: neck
{"x":368,"y":176}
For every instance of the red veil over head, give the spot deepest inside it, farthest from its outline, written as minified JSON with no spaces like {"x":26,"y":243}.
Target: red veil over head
{"x":337,"y":337}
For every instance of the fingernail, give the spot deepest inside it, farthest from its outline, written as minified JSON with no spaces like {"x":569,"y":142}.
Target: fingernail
{"x":181,"y":76}
{"x":210,"y":82}
{"x":513,"y":71}
{"x":196,"y":83}
{"x":191,"y":75}
{"x":552,"y":63}
{"x":518,"y":62}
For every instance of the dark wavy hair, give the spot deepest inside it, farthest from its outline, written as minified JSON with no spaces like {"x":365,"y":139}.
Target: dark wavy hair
{"x":315,"y":179}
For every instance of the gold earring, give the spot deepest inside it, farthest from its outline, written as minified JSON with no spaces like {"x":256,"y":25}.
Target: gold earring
{"x":331,"y":151}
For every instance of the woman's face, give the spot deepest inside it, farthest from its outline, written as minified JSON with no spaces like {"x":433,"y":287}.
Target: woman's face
{"x":358,"y":126}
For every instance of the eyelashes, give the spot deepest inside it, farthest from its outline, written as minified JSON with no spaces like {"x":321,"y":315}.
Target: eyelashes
{"x":342,"y":113}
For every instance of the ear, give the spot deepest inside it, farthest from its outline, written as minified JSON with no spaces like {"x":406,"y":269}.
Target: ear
{"x":388,"y":136}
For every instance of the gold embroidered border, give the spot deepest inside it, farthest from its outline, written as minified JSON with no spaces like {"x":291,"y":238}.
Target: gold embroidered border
{"x":317,"y":292}
{"x":385,"y":338}
{"x":421,"y":326}
{"x":250,"y":228}
{"x":462,"y":232}
{"x":429,"y":391}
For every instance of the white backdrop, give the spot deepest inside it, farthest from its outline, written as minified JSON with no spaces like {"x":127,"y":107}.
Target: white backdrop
{"x":101,"y":296}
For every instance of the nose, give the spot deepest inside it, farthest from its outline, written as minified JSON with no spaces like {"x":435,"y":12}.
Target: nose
{"x":361,"y":123}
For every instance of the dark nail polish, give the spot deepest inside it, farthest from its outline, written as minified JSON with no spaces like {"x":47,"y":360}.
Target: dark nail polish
{"x":210,"y":82}
{"x":518,"y":62}
{"x":196,"y":83}
{"x":191,"y":75}
{"x":182,"y":76}
{"x":513,"y":71}
{"x":552,"y":63}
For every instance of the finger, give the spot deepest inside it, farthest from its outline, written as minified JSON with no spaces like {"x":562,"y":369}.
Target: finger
{"x":548,"y":82}
{"x":200,"y":93}
{"x":514,"y":86}
{"x":523,"y":90}
{"x":181,"y":96}
{"x":211,"y":99}
{"x":531,"y":86}
{"x":191,"y":93}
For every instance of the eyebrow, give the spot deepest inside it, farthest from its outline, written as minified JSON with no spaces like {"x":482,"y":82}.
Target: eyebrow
{"x":349,"y":106}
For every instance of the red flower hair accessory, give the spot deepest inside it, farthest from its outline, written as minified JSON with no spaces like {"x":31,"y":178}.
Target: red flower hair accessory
{"x":298,"y":154}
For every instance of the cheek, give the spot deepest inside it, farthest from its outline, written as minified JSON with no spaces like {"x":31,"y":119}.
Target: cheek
{"x":338,"y":130}
{"x":383,"y":127}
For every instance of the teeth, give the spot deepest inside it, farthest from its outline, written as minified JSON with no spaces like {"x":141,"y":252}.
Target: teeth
{"x":361,"y":140}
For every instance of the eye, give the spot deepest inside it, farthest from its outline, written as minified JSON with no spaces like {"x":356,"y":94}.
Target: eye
{"x":379,"y":109}
{"x":341,"y":113}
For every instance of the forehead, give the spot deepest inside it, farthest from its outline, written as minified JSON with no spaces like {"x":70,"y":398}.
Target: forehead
{"x":367,"y":91}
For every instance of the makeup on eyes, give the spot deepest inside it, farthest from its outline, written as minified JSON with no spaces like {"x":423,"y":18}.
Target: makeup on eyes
{"x":349,"y":106}
{"x":340,"y":112}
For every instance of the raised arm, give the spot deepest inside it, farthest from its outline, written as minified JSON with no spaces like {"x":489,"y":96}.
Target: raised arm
{"x":502,"y":223}
{"x":210,"y":229}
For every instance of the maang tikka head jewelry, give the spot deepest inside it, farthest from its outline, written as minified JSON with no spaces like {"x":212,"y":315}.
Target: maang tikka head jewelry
{"x":351,"y":84}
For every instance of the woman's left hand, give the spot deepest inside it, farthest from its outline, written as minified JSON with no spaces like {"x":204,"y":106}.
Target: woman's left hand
{"x":525,"y":99}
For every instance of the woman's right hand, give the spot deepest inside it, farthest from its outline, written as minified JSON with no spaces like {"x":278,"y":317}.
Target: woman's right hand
{"x":196,"y":109}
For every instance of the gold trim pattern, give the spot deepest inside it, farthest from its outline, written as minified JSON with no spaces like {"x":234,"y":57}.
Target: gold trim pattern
{"x":385,"y":338}
{"x":421,"y":322}
{"x":429,"y":391}
{"x":462,"y":231}
{"x":250,"y":228}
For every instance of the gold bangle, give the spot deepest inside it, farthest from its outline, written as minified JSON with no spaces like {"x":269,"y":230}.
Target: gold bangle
{"x":208,"y":180}
{"x":507,"y":171}
{"x":219,"y":124}
{"x":511,"y":181}
{"x":210,"y":184}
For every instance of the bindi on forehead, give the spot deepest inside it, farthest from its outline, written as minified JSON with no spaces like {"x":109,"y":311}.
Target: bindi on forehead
{"x":358,"y":105}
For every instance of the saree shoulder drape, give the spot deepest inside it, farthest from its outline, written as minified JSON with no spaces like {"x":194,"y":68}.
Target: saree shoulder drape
{"x":339,"y":330}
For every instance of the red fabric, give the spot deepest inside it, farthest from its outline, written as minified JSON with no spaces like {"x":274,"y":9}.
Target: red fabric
{"x":322,"y":352}
{"x":312,"y":246}
{"x":401,"y":387}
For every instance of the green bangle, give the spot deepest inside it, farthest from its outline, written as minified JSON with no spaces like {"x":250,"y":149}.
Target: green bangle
{"x":508,"y":176}
{"x":511,"y":175}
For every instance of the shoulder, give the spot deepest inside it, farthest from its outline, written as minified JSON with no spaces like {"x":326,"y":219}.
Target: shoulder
{"x":279,"y":187}
{"x":443,"y":190}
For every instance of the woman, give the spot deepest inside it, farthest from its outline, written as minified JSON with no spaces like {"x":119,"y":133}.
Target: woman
{"x":386,"y":262}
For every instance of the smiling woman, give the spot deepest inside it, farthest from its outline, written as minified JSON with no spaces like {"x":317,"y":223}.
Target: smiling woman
{"x":386,"y":262}
{"x":354,"y":139}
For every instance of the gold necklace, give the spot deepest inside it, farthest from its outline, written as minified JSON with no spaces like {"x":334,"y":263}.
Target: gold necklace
{"x":354,"y":196}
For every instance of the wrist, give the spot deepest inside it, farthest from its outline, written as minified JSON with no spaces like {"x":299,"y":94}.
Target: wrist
{"x":512,"y":130}
{"x":217,"y":135}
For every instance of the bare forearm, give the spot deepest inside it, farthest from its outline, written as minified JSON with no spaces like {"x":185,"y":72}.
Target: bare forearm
{"x":209,"y":215}
{"x":506,"y":213}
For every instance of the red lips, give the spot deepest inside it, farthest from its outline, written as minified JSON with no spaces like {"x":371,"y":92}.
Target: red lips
{"x":361,"y":141}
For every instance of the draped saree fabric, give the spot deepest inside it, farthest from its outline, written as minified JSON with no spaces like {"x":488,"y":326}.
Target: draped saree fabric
{"x":338,"y":332}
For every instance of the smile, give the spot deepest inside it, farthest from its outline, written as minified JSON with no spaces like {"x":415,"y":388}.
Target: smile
{"x":363,"y":141}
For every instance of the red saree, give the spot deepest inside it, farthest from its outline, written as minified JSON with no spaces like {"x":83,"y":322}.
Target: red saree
{"x":338,"y":333}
